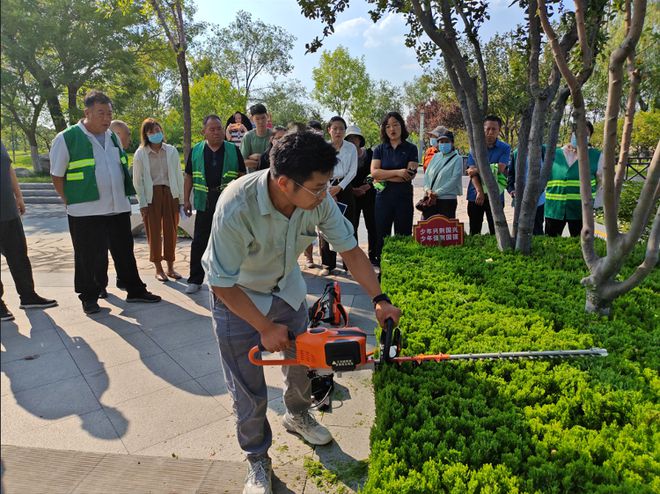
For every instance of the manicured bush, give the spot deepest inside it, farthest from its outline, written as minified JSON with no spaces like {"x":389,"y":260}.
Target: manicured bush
{"x":586,"y":425}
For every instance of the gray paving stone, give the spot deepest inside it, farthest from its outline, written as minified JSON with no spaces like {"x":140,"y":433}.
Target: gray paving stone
{"x":37,"y":370}
{"x":172,"y":335}
{"x":19,"y":343}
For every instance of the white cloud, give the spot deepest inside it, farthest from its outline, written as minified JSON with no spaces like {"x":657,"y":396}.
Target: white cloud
{"x":388,"y":31}
{"x":352,"y":27}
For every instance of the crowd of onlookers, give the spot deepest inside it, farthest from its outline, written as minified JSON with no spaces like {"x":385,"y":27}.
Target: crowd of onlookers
{"x":89,"y":168}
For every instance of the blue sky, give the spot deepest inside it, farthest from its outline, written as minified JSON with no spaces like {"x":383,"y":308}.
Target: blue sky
{"x":381,"y":44}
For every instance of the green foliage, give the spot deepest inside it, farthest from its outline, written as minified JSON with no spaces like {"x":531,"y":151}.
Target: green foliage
{"x":644,"y":133}
{"x":213,"y":94}
{"x":340,"y":81}
{"x":285,"y":102}
{"x":527,"y":426}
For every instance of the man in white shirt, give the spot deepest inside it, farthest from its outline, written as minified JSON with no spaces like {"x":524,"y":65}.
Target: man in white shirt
{"x":89,"y":170}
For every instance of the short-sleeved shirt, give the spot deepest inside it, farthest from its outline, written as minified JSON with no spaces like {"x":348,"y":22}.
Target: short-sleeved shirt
{"x":499,"y":153}
{"x":8,"y":209}
{"x":252,"y":143}
{"x":396,"y":159}
{"x":108,"y":171}
{"x":255,"y":247}
{"x":214,"y":162}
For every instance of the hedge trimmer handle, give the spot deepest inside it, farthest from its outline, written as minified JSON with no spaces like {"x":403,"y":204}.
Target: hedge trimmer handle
{"x":390,"y":341}
{"x":252,"y":355}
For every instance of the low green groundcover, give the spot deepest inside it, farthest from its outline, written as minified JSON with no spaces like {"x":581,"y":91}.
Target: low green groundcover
{"x":586,"y":425}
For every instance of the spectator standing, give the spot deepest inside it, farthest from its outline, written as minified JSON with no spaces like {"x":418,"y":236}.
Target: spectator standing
{"x":433,"y":145}
{"x":340,"y":186}
{"x":256,"y":141}
{"x":499,"y":156}
{"x":394,"y":165}
{"x":89,"y":169}
{"x":259,"y":293}
{"x":212,"y":164}
{"x":236,"y":130}
{"x":443,"y":178}
{"x":158,"y":181}
{"x":12,"y":241}
{"x":563,"y":203}
{"x":122,"y":130}
{"x":364,"y":193}
{"x":278,"y":133}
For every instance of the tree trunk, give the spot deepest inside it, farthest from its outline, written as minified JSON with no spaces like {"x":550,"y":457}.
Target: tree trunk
{"x":185,"y":97}
{"x":74,"y":112}
{"x":595,"y":302}
{"x":34,"y":151}
{"x":53,"y":103}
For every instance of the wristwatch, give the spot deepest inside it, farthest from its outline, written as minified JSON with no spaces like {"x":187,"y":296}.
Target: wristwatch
{"x":381,"y":298}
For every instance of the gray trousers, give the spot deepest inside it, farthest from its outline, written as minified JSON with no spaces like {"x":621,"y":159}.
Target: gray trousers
{"x":246,"y":382}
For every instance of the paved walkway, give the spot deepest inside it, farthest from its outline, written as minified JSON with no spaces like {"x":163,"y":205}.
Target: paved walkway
{"x":133,"y":399}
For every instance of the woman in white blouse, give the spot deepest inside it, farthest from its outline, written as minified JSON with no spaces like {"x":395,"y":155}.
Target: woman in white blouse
{"x":158,"y":180}
{"x":340,"y":185}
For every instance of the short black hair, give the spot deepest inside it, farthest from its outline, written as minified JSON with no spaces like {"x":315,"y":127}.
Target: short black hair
{"x":258,"y":109}
{"x":299,"y":154}
{"x":94,"y":96}
{"x":315,"y":124}
{"x":493,"y":118}
{"x":383,"y":124}
{"x":337,"y":118}
{"x":590,"y":128}
{"x":212,"y":116}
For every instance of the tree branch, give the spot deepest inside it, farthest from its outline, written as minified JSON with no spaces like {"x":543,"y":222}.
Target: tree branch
{"x":163,"y":24}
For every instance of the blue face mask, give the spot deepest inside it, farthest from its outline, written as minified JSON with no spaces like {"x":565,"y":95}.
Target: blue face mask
{"x":156,"y":138}
{"x":573,"y":140}
{"x":445,"y":147}
{"x":433,"y":141}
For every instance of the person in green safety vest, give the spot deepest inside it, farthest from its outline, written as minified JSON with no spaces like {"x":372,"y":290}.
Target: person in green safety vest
{"x":563,"y":203}
{"x":89,"y":169}
{"x":212,"y":164}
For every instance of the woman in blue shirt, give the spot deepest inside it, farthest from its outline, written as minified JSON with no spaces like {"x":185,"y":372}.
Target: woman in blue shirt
{"x":394,"y":165}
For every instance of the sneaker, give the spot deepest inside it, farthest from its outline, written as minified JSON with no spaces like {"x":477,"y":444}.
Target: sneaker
{"x":305,"y":425}
{"x":145,"y":297}
{"x":258,"y":480}
{"x":103,"y":293}
{"x":5,"y":315}
{"x":327,"y":272}
{"x":90,"y":306}
{"x":37,"y":302}
{"x":193,"y":288}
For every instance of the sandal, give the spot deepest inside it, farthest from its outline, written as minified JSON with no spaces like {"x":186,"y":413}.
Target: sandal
{"x":174,"y":275}
{"x":161,"y":277}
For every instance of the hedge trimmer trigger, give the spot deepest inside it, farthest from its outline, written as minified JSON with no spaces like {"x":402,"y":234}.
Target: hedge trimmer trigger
{"x":390,"y":341}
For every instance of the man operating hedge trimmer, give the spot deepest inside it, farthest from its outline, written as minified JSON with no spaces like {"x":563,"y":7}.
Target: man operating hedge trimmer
{"x":263,"y":222}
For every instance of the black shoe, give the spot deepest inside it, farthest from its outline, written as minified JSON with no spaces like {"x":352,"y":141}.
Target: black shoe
{"x":103,"y":293}
{"x":37,"y":302}
{"x":146,"y":297}
{"x":91,"y":307}
{"x":5,"y":315}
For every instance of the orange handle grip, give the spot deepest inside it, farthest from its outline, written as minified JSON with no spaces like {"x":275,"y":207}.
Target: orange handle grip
{"x":252,"y":355}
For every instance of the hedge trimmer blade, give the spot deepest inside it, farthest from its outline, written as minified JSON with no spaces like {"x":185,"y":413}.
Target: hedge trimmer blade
{"x":418,"y":359}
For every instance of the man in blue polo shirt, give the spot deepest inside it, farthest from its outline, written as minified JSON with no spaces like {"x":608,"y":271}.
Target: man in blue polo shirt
{"x":499,"y":154}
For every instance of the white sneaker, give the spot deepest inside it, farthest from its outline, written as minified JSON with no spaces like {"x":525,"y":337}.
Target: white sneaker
{"x":258,"y":480}
{"x":193,"y":288}
{"x":306,"y":426}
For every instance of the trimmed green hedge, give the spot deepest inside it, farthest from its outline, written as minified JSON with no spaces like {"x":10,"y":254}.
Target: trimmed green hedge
{"x":576,"y":425}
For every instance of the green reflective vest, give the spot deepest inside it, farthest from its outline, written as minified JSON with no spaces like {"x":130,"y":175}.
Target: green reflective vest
{"x":80,"y":177}
{"x":562,"y":194}
{"x":500,"y":178}
{"x":229,"y":169}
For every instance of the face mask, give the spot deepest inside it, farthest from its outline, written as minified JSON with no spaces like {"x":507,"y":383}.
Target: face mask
{"x":156,"y":138}
{"x":433,"y":141}
{"x":445,"y":147}
{"x":573,"y":140}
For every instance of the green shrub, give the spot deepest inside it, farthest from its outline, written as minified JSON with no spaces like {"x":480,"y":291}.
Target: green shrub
{"x":532,"y":426}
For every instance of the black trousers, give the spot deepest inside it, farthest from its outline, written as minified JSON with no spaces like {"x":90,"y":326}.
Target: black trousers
{"x":329,"y":256}
{"x":14,"y":247}
{"x":92,"y":236}
{"x":554,"y":228}
{"x":538,"y":220}
{"x":366,"y":205}
{"x":203,"y":223}
{"x":476,"y":215}
{"x":445,"y":207}
{"x":394,"y":206}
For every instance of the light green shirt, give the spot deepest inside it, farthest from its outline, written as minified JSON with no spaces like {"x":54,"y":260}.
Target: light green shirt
{"x":252,"y":143}
{"x":255,"y":247}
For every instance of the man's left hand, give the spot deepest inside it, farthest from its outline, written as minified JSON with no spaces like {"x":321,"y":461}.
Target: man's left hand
{"x":334,"y":190}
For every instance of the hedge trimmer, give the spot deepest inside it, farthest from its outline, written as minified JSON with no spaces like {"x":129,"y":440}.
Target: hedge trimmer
{"x":345,"y":349}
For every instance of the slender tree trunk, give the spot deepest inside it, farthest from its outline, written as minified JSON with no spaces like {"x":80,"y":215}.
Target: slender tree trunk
{"x":74,"y":112}
{"x":185,"y":97}
{"x":52,"y":101}
{"x":34,"y":151}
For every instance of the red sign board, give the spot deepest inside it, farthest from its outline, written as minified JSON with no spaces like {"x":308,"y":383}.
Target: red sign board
{"x":439,"y":230}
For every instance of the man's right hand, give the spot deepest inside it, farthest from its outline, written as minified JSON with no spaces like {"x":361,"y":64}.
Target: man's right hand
{"x":481,"y":197}
{"x":187,"y":208}
{"x":276,"y":338}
